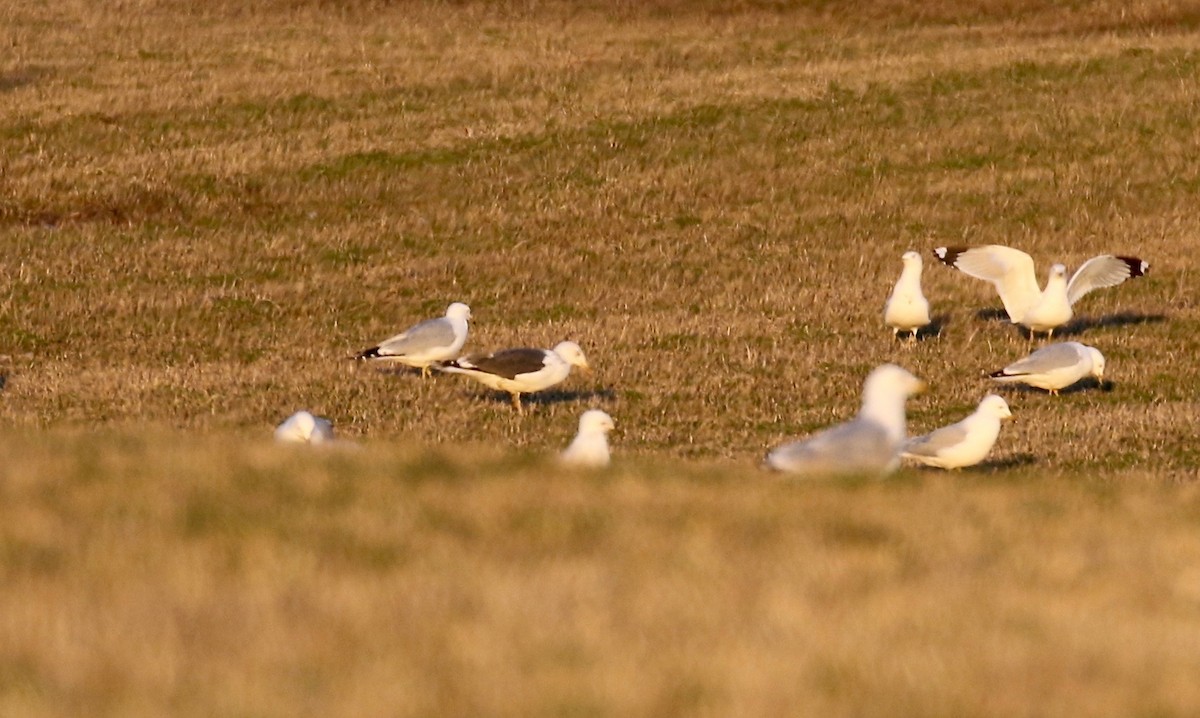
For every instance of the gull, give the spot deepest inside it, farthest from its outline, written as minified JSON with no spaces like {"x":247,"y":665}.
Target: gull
{"x":907,"y":309}
{"x":424,"y":344}
{"x":1011,"y":272}
{"x":589,"y":448}
{"x":965,"y":443}
{"x":521,"y":371}
{"x":1054,"y":367}
{"x":868,"y":445}
{"x":304,"y":428}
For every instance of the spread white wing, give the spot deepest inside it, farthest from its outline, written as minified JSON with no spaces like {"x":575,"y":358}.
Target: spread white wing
{"x":1103,"y":271}
{"x":1009,"y":270}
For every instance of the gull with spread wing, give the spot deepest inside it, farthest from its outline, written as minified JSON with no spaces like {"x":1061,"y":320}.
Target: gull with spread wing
{"x":1039,"y":310}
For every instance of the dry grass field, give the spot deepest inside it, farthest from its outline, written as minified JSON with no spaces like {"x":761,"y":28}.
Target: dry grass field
{"x":205,"y":208}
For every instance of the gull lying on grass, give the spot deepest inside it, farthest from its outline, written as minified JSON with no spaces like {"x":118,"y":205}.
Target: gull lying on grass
{"x":589,"y":448}
{"x":424,"y":344}
{"x":963,"y":444}
{"x":869,"y":445}
{"x":1054,"y":367}
{"x":304,"y":428}
{"x":521,"y":371}
{"x":1011,"y":272}
{"x":907,"y":309}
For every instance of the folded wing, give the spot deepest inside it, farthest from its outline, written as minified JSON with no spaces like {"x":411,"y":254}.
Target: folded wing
{"x":934,"y":443}
{"x":1051,"y":358}
{"x":857,"y":447}
{"x":509,"y":363}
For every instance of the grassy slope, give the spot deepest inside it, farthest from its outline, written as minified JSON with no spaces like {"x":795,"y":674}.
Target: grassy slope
{"x":201,"y":214}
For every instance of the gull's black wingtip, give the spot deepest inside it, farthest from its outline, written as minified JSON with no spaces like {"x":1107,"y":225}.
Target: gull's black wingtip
{"x":1137,"y":266}
{"x":948,"y":255}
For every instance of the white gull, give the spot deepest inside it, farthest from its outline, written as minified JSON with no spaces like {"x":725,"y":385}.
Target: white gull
{"x":868,"y":445}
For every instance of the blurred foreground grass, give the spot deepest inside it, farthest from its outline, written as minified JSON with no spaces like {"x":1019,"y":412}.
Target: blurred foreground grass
{"x":146,"y":574}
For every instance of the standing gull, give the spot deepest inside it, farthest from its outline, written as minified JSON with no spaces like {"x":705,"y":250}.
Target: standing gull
{"x":589,"y":448}
{"x":1011,"y":272}
{"x":431,"y":341}
{"x":869,"y":445}
{"x":304,"y":428}
{"x":965,"y":443}
{"x":1054,"y":367}
{"x":907,"y":309}
{"x":521,"y":371}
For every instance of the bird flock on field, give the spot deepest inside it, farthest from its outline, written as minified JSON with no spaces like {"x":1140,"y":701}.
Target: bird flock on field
{"x":875,"y":442}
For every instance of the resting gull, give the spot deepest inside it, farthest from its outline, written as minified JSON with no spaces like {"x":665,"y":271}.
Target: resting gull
{"x":521,"y":371}
{"x":1011,"y":272}
{"x":907,"y":309}
{"x":1054,"y":367}
{"x":427,"y":343}
{"x":304,"y":428}
{"x":589,"y":448}
{"x":869,"y":445}
{"x":965,"y":443}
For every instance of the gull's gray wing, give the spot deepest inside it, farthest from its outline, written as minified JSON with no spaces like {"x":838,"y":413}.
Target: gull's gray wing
{"x":932,"y":443}
{"x":322,"y":429}
{"x":429,"y":334}
{"x":1055,"y":356}
{"x":1103,"y":271}
{"x":857,"y":447}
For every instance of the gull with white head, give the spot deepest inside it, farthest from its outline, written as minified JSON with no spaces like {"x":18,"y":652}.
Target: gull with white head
{"x":965,"y":443}
{"x":1054,"y":367}
{"x":426,"y":343}
{"x":303,"y":427}
{"x":521,"y":371}
{"x":1039,"y":310}
{"x":907,"y":310}
{"x":589,"y":448}
{"x":868,"y":445}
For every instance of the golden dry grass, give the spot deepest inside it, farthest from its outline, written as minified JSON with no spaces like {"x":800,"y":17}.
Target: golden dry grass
{"x":257,"y":581}
{"x":203,"y":211}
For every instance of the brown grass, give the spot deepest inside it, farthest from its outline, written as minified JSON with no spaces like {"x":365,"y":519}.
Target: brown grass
{"x":386,"y":582}
{"x":203,"y":210}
